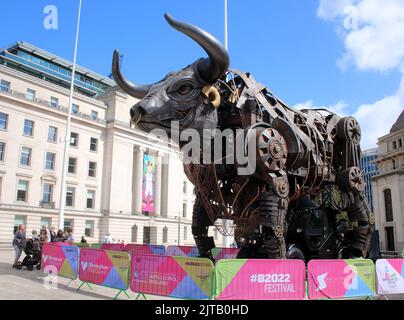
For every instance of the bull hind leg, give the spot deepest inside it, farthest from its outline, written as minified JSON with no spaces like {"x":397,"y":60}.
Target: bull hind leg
{"x":200,"y":228}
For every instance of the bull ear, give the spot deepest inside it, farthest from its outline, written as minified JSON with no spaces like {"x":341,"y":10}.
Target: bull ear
{"x":218,"y":62}
{"x":135,"y":90}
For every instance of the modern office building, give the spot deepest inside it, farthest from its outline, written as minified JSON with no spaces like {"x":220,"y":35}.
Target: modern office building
{"x":369,"y":169}
{"x":388,"y":188}
{"x":120,"y":180}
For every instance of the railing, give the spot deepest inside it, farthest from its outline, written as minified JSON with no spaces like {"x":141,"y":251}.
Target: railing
{"x":47,"y":204}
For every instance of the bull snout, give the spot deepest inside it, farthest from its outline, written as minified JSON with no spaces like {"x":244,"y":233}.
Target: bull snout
{"x":136,"y":113}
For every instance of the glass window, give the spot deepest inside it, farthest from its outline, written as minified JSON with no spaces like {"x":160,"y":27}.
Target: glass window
{"x":74,"y":139}
{"x":25,"y":158}
{"x":184,"y":210}
{"x":89,"y":227}
{"x":4,"y":86}
{"x":30,"y":95}
{"x":93,"y":144}
{"x":52,"y":134}
{"x":45,"y":221}
{"x":2,"y":150}
{"x":388,"y":205}
{"x":22,"y":191}
{"x":394,"y":145}
{"x":94,"y":115}
{"x":215,"y":234}
{"x":400,"y":143}
{"x":165,"y":234}
{"x":18,"y":220}
{"x":72,"y":165}
{"x":92,"y":168}
{"x":75,"y":108}
{"x":184,"y":187}
{"x":70,"y":193}
{"x":50,"y":161}
{"x":185,"y":233}
{"x":28,"y":128}
{"x":54,"y":102}
{"x":68,"y":224}
{"x":3,"y":121}
{"x":90,"y":199}
{"x":47,"y":193}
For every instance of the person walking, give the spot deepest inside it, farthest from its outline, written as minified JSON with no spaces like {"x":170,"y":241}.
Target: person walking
{"x":18,"y":242}
{"x":52,"y":234}
{"x":60,"y":236}
{"x":83,"y":240}
{"x":70,"y":237}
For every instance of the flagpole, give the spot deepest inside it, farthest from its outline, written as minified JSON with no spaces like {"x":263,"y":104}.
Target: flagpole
{"x":62,"y":197}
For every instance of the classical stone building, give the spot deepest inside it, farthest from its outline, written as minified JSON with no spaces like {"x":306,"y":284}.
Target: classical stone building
{"x":107,"y":191}
{"x":388,"y":188}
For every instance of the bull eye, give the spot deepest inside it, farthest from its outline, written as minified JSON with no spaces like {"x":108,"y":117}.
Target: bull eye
{"x":185,"y":89}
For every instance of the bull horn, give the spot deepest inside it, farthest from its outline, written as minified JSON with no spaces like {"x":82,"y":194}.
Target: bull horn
{"x":135,"y":90}
{"x":218,"y":62}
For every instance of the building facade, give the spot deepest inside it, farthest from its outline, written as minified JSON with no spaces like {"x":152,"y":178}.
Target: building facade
{"x":388,"y":188}
{"x":369,"y":169}
{"x":120,"y":181}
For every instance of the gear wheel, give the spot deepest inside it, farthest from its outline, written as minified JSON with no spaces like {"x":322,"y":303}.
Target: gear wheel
{"x":349,"y":130}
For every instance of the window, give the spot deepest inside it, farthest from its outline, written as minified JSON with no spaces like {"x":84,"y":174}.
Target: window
{"x":75,"y":108}
{"x":1,"y":185}
{"x":3,"y":121}
{"x":19,"y":220}
{"x":45,"y":221}
{"x":47,"y":193}
{"x":215,"y":234}
{"x":50,"y":161}
{"x":92,"y":168}
{"x":28,"y":128}
{"x":184,"y":210}
{"x":54,"y":102}
{"x":89,"y":227}
{"x":90,"y":199}
{"x":52,"y":134}
{"x":2,"y":150}
{"x":165,"y":235}
{"x":184,"y":187}
{"x":394,"y":145}
{"x":4,"y":86}
{"x":25,"y":158}
{"x":400,"y":143}
{"x":74,"y":139}
{"x":388,"y":206}
{"x":390,"y":238}
{"x":30,"y":95}
{"x":70,"y":194}
{"x":94,"y":115}
{"x":93,"y":144}
{"x":72,"y":166}
{"x":185,"y":233}
{"x":68,"y":224}
{"x":22,"y":191}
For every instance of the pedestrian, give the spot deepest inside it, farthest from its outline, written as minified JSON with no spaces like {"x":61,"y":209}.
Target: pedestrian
{"x":53,"y":234}
{"x":70,"y":237}
{"x":83,"y":240}
{"x":18,"y":243}
{"x":48,"y":234}
{"x":43,"y":238}
{"x":123,"y":242}
{"x":35,"y":235}
{"x":60,"y":236}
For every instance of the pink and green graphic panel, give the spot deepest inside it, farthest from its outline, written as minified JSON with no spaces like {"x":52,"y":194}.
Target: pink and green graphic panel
{"x":224,"y":253}
{"x":390,"y":276}
{"x":253,"y":279}
{"x":182,"y":251}
{"x":150,"y":249}
{"x":113,"y":246}
{"x":63,"y":258}
{"x":105,"y":268}
{"x":341,"y":278}
{"x":177,"y":277}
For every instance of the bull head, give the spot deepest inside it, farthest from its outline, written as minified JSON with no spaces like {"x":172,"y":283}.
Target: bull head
{"x":187,"y":96}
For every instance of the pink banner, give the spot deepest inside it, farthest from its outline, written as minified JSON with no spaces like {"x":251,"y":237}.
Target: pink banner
{"x":150,"y":249}
{"x":242,"y":279}
{"x":182,"y":251}
{"x":225,"y":253}
{"x":113,"y":246}
{"x":60,"y":258}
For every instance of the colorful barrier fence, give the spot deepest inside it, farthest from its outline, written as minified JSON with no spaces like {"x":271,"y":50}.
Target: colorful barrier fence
{"x":82,"y":245}
{"x":182,"y":251}
{"x":341,"y":278}
{"x":105,"y":268}
{"x":63,"y":258}
{"x":224,"y":253}
{"x":113,"y":246}
{"x":150,"y":249}
{"x":96,"y":245}
{"x":390,"y":276}
{"x":244,"y":279}
{"x":179,"y":277}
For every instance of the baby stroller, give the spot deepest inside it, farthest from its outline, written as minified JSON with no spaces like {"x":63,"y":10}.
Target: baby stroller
{"x":32,"y":250}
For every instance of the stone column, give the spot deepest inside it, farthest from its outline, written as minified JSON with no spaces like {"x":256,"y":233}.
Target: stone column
{"x":157,"y":191}
{"x":137,"y":198}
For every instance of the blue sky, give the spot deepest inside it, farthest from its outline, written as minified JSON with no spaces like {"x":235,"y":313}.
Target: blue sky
{"x":285,"y":44}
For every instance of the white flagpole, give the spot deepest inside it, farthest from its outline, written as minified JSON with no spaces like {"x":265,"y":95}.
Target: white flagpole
{"x":62,"y":197}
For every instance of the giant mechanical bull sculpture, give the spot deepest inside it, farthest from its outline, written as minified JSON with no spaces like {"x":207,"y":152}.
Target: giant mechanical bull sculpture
{"x":300,"y":153}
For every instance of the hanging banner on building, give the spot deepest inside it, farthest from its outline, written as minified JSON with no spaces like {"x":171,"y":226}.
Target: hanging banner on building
{"x":105,"y":268}
{"x":177,"y":277}
{"x":113,"y":246}
{"x":390,"y":276}
{"x":150,"y":249}
{"x":253,"y":279}
{"x":182,"y":251}
{"x":224,"y":253}
{"x":148,"y":186}
{"x":341,"y":278}
{"x":65,"y":259}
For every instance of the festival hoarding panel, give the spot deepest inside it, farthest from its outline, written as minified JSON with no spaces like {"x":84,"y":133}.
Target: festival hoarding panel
{"x":182,"y":251}
{"x":113,"y":246}
{"x":177,"y":277}
{"x":253,"y":279}
{"x":96,"y":245}
{"x":148,"y":185}
{"x":390,"y":276}
{"x":151,"y":249}
{"x":341,"y":278}
{"x":224,"y":253}
{"x":62,"y":257}
{"x":105,"y":268}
